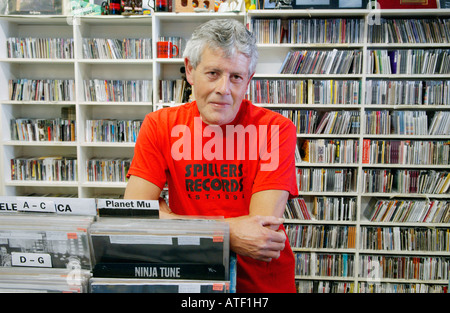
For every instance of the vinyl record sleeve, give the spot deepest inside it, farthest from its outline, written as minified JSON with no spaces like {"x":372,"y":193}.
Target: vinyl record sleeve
{"x":44,"y":241}
{"x":124,"y":248}
{"x":160,"y":271}
{"x":105,"y":285}
{"x":36,"y":248}
{"x":45,"y":219}
{"x":33,"y":280}
{"x":18,"y":286}
{"x":128,"y":241}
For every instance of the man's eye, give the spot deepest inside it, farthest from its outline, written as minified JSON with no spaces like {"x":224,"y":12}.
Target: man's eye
{"x":236,"y":78}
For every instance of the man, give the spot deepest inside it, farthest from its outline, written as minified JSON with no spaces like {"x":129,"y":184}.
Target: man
{"x":224,"y":157}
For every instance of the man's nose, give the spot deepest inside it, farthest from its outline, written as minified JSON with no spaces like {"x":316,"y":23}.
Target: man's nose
{"x":223,"y":85}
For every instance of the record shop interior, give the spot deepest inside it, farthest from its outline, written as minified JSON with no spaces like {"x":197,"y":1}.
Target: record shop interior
{"x":365,"y":84}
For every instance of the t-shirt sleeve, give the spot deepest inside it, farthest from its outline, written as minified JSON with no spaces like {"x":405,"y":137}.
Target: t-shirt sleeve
{"x":148,"y":160}
{"x":277,"y":163}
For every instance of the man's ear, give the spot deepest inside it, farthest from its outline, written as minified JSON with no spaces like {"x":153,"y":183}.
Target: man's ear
{"x":189,"y":69}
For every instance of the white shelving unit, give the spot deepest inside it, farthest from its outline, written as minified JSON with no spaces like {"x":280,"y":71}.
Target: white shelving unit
{"x":271,"y":58}
{"x":80,"y":69}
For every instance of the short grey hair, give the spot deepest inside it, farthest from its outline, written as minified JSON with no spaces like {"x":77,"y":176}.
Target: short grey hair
{"x":228,"y":35}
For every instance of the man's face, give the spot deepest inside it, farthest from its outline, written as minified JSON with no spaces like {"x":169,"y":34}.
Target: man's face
{"x":220,"y":84}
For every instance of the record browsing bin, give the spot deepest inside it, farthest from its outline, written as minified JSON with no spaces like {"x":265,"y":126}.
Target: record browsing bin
{"x":153,"y":248}
{"x":125,"y":248}
{"x":42,"y":250}
{"x":132,"y":255}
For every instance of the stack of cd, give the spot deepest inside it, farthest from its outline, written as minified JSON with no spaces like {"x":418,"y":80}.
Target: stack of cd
{"x":152,"y":255}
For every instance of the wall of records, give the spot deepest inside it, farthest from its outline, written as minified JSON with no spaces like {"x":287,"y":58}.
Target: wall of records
{"x":369,"y":97}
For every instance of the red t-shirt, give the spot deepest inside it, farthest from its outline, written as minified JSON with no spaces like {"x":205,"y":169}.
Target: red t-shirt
{"x":212,"y":171}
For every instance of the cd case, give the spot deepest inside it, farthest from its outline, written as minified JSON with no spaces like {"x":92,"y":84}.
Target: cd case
{"x":160,"y":249}
{"x":111,"y":285}
{"x":45,"y":241}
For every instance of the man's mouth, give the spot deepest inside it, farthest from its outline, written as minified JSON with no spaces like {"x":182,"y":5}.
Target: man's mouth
{"x":219,"y":104}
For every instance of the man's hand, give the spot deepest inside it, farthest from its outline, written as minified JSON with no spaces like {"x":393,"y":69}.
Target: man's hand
{"x":257,"y":237}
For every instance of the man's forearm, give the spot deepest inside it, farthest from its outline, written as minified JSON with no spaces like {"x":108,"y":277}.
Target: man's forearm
{"x":254,"y":236}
